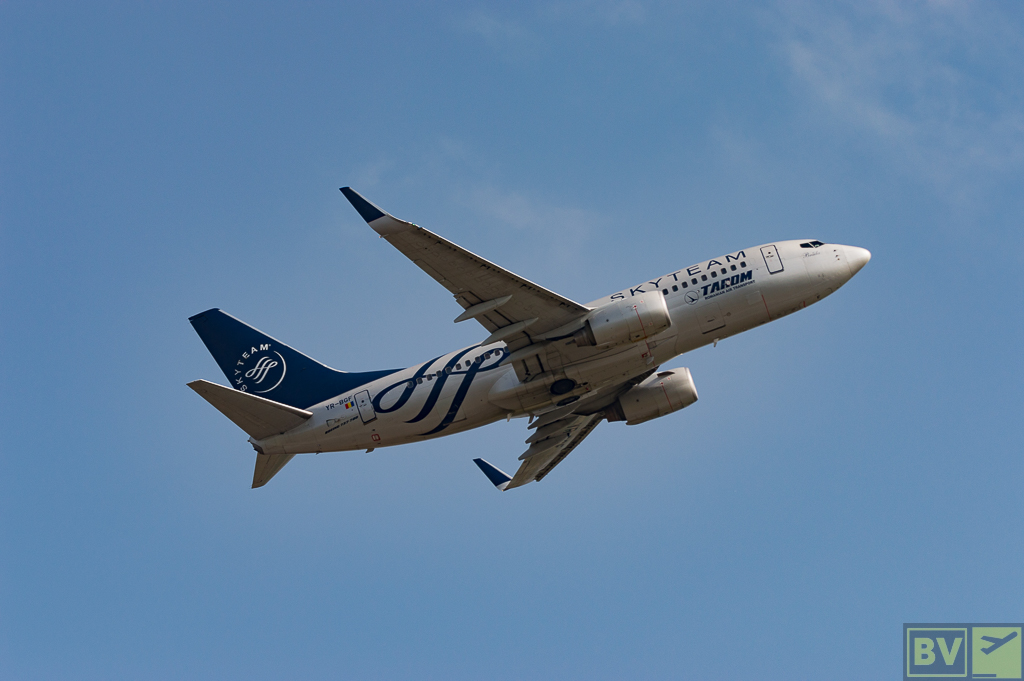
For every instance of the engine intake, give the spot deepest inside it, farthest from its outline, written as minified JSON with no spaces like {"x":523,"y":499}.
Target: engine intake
{"x":660,"y":394}
{"x":625,"y":321}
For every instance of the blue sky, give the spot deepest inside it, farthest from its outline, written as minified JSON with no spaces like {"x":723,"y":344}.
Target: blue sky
{"x":846,"y":470}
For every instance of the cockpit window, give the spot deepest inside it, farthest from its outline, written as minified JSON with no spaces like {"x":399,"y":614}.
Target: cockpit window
{"x":812,"y":244}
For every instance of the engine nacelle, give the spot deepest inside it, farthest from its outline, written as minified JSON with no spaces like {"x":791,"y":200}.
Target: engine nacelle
{"x":660,"y":394}
{"x":625,"y":321}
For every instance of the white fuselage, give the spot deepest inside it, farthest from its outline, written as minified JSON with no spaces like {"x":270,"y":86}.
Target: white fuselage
{"x":475,"y":386}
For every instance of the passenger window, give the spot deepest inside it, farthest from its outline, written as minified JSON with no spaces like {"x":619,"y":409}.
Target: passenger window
{"x":743,"y":263}
{"x":703,"y":277}
{"x":693,"y":281}
{"x":685,"y":284}
{"x":676,"y":288}
{"x":664,"y":291}
{"x":725,"y":271}
{"x":714,"y":274}
{"x":419,"y":379}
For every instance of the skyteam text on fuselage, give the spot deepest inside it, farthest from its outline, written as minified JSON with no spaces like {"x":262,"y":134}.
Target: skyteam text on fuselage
{"x":567,"y":366}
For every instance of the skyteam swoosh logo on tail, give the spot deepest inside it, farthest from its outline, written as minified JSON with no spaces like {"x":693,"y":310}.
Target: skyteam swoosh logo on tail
{"x":260,"y":369}
{"x":259,"y":372}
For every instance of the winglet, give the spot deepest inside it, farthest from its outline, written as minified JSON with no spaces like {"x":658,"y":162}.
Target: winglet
{"x":366,"y":210}
{"x":498,"y":477}
{"x":381,"y":222}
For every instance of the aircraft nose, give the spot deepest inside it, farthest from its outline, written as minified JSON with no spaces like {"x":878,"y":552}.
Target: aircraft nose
{"x":857,"y":258}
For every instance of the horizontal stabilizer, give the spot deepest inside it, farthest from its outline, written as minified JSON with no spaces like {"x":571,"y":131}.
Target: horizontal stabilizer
{"x":267,"y":466}
{"x":257,"y":416}
{"x":498,"y":477}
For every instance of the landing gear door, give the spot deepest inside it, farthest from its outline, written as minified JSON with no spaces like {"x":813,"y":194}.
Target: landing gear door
{"x":366,"y":412}
{"x":772,"y":259}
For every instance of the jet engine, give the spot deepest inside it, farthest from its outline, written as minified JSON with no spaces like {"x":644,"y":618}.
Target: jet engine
{"x":625,"y":321}
{"x":660,"y":394}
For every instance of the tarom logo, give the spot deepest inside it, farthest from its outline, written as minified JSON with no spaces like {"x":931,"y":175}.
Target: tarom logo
{"x":260,"y":369}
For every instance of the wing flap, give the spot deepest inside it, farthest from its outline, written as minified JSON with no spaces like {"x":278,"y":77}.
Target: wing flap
{"x":473,"y":280}
{"x":553,"y":449}
{"x":571,"y":445}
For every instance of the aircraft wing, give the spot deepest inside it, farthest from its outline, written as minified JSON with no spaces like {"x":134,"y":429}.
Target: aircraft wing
{"x":512,"y":309}
{"x":549,"y":445}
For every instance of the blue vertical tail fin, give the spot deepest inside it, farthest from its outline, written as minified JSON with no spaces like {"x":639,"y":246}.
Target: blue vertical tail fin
{"x":256,"y":363}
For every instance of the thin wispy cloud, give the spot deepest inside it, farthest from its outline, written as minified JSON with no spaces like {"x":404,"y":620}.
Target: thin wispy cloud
{"x":523,"y":213}
{"x":370,"y":174}
{"x":508,"y":37}
{"x":608,"y":12}
{"x":558,"y":236}
{"x":556,"y":233}
{"x":937,"y":85}
{"x":521,"y":34}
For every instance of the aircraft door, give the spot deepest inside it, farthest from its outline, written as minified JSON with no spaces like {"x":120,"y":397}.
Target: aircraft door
{"x":772,"y":259}
{"x":366,"y":412}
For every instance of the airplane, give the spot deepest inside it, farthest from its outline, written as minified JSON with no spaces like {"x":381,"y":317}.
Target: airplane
{"x":997,"y":642}
{"x":564,"y":365}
